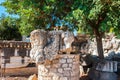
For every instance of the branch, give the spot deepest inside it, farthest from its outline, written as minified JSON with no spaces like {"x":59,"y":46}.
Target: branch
{"x":102,"y":16}
{"x":91,"y":23}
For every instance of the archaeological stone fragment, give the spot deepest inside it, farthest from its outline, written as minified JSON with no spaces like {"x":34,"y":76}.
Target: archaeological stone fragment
{"x":47,"y":44}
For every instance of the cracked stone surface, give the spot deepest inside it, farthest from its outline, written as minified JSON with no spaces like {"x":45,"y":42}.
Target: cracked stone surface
{"x":46,"y":44}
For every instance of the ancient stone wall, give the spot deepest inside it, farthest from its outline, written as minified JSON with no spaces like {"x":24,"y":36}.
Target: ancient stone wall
{"x":64,"y":67}
{"x":15,"y":44}
{"x":10,"y":47}
{"x":14,"y":54}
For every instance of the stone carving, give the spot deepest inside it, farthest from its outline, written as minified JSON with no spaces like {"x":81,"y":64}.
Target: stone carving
{"x":54,"y":44}
{"x":68,"y":39}
{"x":38,"y":40}
{"x":46,"y":44}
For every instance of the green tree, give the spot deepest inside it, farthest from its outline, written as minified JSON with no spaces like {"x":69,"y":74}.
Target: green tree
{"x":91,"y":16}
{"x":9,"y":29}
{"x":96,"y":17}
{"x":36,"y":14}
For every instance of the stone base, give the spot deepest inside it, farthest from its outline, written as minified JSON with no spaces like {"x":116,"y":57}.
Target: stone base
{"x":107,"y":66}
{"x":102,"y":75}
{"x":65,"y":67}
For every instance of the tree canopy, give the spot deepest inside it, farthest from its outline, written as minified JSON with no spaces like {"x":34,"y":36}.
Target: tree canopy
{"x":91,"y":16}
{"x":9,"y":29}
{"x":78,"y":13}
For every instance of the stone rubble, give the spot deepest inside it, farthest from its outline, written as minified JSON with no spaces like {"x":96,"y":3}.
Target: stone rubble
{"x":111,"y":46}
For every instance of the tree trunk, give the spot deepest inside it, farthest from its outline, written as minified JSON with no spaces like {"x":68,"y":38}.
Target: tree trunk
{"x":99,"y":43}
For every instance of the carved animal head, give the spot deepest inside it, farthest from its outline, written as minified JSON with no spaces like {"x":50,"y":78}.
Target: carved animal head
{"x":68,"y":38}
{"x":38,"y":38}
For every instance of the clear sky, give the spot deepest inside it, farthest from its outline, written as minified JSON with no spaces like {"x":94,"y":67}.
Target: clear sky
{"x":2,"y":9}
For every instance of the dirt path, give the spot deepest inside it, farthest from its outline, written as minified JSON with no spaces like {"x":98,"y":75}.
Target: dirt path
{"x":14,"y":78}
{"x":24,"y":73}
{"x":20,"y":71}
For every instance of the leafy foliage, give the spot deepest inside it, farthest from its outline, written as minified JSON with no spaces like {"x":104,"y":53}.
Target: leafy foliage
{"x":79,"y":13}
{"x":95,"y":17}
{"x":100,"y":14}
{"x":9,"y":30}
{"x":36,"y":14}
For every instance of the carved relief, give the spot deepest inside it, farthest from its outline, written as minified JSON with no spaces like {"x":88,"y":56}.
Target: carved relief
{"x":46,"y":45}
{"x":38,"y":40}
{"x":68,"y":38}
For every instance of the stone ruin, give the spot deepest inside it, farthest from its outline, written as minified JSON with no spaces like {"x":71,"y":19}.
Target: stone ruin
{"x":48,"y":48}
{"x":46,"y":52}
{"x":14,"y":54}
{"x":46,"y":45}
{"x":111,"y":46}
{"x":109,"y":66}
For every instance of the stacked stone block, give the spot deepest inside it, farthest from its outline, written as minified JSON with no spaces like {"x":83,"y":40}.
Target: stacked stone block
{"x":64,"y":67}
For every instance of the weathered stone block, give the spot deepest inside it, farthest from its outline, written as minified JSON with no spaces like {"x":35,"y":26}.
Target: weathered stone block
{"x":56,"y":65}
{"x":70,"y":65}
{"x":67,"y":73}
{"x":60,"y":70}
{"x":54,"y":70}
{"x":62,"y":60}
{"x":67,"y":69}
{"x":55,"y":78}
{"x":69,"y":60}
{"x":75,"y":73}
{"x":74,"y":78}
{"x":63,"y":78}
{"x":64,"y":65}
{"x":75,"y":67}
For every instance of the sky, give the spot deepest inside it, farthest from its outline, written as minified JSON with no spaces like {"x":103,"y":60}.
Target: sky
{"x":2,"y":9}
